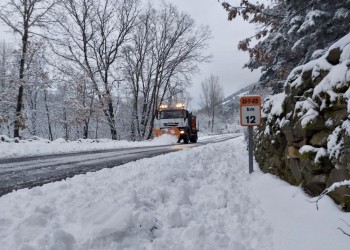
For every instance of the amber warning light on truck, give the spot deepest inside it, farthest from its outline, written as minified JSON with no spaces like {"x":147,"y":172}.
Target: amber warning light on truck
{"x":250,"y":107}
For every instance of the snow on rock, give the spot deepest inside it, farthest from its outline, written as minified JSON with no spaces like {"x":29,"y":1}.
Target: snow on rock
{"x":335,"y":145}
{"x":337,"y":78}
{"x":273,"y":105}
{"x":334,"y":80}
{"x":315,"y":115}
{"x":318,"y":53}
{"x":339,"y":75}
{"x":344,"y":45}
{"x":319,"y":152}
{"x":295,"y":77}
{"x":306,"y":110}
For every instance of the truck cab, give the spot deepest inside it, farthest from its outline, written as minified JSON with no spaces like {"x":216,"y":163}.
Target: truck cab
{"x":177,"y":119}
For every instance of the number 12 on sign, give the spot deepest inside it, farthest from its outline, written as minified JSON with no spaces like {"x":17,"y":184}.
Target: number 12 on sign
{"x":250,"y":119}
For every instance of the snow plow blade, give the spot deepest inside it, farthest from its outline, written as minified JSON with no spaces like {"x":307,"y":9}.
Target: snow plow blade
{"x":170,"y":131}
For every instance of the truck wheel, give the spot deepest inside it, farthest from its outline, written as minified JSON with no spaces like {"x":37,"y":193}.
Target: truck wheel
{"x":194,"y":138}
{"x":186,"y":139}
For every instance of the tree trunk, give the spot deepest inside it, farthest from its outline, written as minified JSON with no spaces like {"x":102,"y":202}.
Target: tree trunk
{"x":33,"y":107}
{"x":19,"y":118}
{"x":133,"y":127}
{"x":96,"y":131}
{"x":212,"y":119}
{"x":65,"y":124}
{"x":112,"y":120}
{"x":48,"y":115}
{"x":86,"y":130}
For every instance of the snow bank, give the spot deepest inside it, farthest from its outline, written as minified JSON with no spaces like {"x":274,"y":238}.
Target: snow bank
{"x":201,"y":198}
{"x":193,"y":199}
{"x":38,"y":146}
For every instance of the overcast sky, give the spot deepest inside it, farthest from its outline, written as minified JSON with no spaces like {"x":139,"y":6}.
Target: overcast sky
{"x":227,"y":62}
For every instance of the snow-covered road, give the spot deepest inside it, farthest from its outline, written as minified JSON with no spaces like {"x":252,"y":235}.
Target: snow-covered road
{"x":31,"y":171}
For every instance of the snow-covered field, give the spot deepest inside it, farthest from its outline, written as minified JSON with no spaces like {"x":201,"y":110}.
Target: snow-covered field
{"x":200,"y":198}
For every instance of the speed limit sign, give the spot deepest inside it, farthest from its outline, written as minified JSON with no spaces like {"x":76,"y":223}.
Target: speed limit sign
{"x":250,"y":107}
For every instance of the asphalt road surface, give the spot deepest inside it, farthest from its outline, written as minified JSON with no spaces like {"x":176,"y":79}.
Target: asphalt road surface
{"x":28,"y":172}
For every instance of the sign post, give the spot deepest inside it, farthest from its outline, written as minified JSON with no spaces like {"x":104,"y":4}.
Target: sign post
{"x":250,"y":115}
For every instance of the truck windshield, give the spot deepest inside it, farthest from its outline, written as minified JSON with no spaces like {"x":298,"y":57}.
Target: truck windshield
{"x":168,"y":114}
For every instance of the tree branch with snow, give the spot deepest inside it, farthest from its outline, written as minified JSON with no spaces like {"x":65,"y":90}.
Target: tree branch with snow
{"x":333,"y":187}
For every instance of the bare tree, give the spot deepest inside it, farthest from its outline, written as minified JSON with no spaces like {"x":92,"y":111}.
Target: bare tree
{"x":162,"y":56}
{"x":111,"y":56}
{"x":23,"y":17}
{"x":179,"y":48}
{"x":211,"y":97}
{"x":48,"y":114}
{"x":90,"y":34}
{"x":137,"y":68}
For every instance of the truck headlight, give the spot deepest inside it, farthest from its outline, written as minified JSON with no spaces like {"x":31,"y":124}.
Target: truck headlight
{"x":182,"y":132}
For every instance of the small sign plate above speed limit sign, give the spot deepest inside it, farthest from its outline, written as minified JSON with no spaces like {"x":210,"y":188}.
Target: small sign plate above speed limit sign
{"x":250,"y":107}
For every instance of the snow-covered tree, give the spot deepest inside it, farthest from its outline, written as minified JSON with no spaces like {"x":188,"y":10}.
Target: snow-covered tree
{"x":24,"y":17}
{"x":290,"y":32}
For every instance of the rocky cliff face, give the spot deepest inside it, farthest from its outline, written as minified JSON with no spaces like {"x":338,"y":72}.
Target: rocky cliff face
{"x":305,"y":136}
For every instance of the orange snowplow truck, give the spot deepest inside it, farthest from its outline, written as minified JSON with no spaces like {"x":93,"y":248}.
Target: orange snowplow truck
{"x":176,"y":121}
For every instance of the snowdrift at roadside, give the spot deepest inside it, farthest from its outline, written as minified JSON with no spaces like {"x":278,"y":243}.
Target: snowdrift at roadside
{"x":201,"y":198}
{"x":38,"y":146}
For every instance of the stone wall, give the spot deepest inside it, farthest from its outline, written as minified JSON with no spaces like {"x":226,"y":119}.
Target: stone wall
{"x":305,"y":135}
